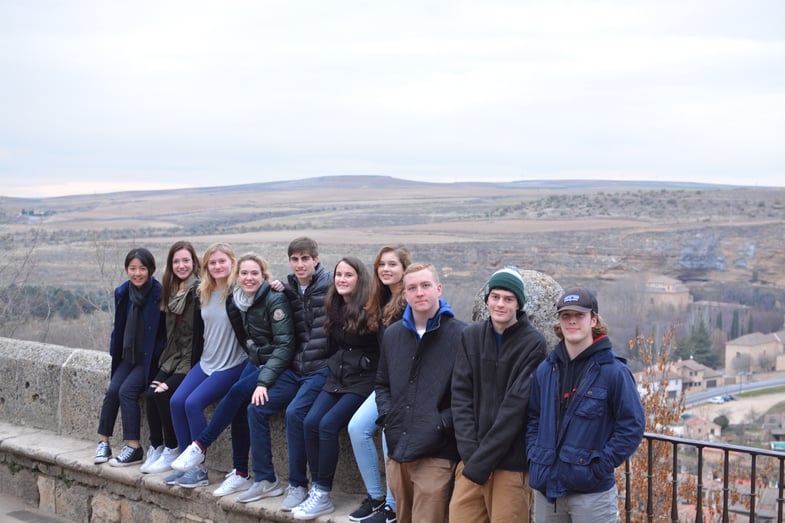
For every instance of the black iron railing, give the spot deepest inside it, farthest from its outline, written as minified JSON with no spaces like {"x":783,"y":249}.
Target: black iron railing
{"x":752,"y":510}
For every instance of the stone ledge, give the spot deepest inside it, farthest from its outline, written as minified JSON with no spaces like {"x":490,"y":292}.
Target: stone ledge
{"x":57,"y":475}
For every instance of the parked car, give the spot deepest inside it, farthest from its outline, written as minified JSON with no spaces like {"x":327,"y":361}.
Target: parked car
{"x":729,"y":397}
{"x":717,"y":399}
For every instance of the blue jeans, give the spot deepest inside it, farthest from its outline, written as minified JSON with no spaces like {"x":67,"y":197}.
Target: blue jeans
{"x":195,"y":393}
{"x":298,"y":392}
{"x":125,"y":388}
{"x":362,"y":427}
{"x":232,"y":410}
{"x":328,"y":415}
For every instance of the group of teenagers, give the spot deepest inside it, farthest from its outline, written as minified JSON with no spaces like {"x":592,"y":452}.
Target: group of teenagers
{"x":480,"y":422}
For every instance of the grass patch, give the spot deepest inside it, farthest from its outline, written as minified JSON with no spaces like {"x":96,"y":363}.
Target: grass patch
{"x":761,"y":392}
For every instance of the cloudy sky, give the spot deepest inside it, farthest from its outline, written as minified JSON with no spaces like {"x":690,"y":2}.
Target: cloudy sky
{"x":106,"y":95}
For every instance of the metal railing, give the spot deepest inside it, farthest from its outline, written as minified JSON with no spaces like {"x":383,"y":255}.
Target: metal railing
{"x":632,"y":512}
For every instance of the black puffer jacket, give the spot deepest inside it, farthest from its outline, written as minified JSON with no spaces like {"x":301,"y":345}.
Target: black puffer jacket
{"x":354,"y":363}
{"x":308,"y":309}
{"x":265,"y":331}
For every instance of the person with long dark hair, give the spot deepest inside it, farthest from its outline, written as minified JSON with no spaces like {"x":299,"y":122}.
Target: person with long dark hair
{"x":352,"y":373}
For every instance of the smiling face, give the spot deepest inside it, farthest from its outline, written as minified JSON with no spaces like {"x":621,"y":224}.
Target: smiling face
{"x":138,"y":273}
{"x":249,"y":277}
{"x":220,"y":266}
{"x":182,"y":264}
{"x":503,"y":308}
{"x":303,"y":266}
{"x":390,"y":269}
{"x":577,"y":327}
{"x":345,"y":279}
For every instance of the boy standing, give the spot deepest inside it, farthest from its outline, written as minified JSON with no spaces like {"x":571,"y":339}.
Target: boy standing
{"x":490,"y":394}
{"x":413,"y":397}
{"x":585,"y":419}
{"x":297,"y":386}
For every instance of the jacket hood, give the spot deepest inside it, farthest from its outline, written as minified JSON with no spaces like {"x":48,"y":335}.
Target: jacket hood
{"x":433,"y":323}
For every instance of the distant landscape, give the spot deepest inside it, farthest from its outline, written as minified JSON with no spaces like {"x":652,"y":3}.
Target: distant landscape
{"x":725,"y":243}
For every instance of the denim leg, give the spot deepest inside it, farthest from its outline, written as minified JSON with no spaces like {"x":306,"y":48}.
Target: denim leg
{"x":234,"y":401}
{"x":111,"y":404}
{"x":390,"y":497}
{"x":279,"y":395}
{"x":192,"y":380}
{"x":309,"y":388}
{"x":361,"y":428}
{"x":329,"y":414}
{"x":212,"y":389}
{"x":131,"y":390}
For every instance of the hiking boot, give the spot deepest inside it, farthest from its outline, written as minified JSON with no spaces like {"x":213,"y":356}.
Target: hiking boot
{"x":128,"y":456}
{"x":294,"y":496}
{"x":103,"y":452}
{"x":367,"y":508}
{"x":261,"y":489}
{"x":191,"y":457}
{"x":233,"y":483}
{"x":317,"y":504}
{"x":164,"y":463}
{"x":153,"y":454}
{"x":194,"y":478}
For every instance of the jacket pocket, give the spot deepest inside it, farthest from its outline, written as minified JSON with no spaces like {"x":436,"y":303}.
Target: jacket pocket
{"x":540,"y":462}
{"x":578,"y":473}
{"x":593,"y":403}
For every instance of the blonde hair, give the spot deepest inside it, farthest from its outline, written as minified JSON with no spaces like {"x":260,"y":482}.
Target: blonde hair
{"x":208,"y":283}
{"x":416,"y":267}
{"x":250,"y":256}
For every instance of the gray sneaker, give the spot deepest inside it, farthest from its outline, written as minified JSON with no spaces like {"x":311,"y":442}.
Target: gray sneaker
{"x":317,"y":504}
{"x":294,"y":496}
{"x":196,"y":477}
{"x":172,"y":478}
{"x":261,"y":489}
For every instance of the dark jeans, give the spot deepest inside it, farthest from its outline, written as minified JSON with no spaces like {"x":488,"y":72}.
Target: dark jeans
{"x":329,"y":414}
{"x":233,"y":410}
{"x":159,"y":415}
{"x":298,"y":392}
{"x":125,"y":388}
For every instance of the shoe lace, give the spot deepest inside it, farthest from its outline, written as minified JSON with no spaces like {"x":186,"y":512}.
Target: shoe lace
{"x":126,"y":453}
{"x":102,"y":447}
{"x":314,"y":498}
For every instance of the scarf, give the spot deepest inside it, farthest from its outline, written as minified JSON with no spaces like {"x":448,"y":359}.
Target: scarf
{"x":133,"y":337}
{"x":177,"y":302}
{"x":242,"y":300}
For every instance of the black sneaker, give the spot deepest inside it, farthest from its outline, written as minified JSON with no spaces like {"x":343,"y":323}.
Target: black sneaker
{"x":368,"y":508}
{"x":128,"y":456}
{"x":385,"y":515}
{"x":102,"y":453}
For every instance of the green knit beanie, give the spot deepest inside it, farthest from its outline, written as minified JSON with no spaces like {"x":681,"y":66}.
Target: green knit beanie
{"x":508,"y":279}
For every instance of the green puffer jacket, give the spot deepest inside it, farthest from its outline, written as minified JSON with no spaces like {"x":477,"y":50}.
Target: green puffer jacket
{"x":266,"y":332}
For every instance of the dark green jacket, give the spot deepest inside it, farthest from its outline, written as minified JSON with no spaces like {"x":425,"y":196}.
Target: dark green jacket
{"x":266,"y":332}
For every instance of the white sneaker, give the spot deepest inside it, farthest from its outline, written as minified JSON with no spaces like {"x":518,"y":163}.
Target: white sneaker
{"x":152,"y":456}
{"x":191,"y":457}
{"x":261,"y":489}
{"x":317,"y":504}
{"x":233,"y":483}
{"x":164,"y":463}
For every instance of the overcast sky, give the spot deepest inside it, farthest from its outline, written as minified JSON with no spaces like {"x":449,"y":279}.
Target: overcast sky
{"x":103,"y":95}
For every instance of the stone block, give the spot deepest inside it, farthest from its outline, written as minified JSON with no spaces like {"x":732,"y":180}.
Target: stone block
{"x":38,"y":384}
{"x":9,"y":361}
{"x":46,"y":494}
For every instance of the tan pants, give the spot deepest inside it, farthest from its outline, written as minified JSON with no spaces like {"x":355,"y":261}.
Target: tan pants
{"x":421,"y":489}
{"x":505,"y":498}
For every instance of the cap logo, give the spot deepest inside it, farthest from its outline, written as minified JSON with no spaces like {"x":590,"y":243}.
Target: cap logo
{"x":571,"y":298}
